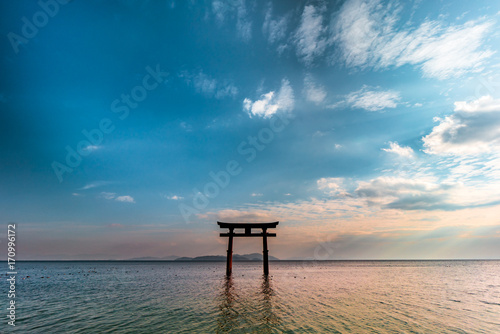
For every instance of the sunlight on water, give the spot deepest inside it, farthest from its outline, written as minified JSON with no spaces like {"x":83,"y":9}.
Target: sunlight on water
{"x":298,"y":297}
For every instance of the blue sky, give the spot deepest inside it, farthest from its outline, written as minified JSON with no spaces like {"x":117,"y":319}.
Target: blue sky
{"x":369,"y":129}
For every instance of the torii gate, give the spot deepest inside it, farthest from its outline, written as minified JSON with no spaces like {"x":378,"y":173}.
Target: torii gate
{"x":248,"y":233}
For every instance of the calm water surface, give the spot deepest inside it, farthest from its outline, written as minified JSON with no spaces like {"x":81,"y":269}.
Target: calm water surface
{"x":314,"y":297}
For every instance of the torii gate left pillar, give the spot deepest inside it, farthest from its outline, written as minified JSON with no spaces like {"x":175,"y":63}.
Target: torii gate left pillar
{"x":247,"y":233}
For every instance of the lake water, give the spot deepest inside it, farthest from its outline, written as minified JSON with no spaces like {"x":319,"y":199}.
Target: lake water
{"x":298,"y":297}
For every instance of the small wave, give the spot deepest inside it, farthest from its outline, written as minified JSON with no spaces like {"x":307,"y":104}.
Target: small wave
{"x":489,"y":303}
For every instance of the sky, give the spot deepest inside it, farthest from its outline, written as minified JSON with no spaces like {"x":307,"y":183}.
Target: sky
{"x":368,"y":129}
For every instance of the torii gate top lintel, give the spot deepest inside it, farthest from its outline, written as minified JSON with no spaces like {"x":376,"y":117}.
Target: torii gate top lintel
{"x":248,"y":233}
{"x":248,"y":229}
{"x":244,"y":225}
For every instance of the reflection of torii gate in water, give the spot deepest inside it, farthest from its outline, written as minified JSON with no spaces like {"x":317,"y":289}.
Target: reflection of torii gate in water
{"x":248,"y":233}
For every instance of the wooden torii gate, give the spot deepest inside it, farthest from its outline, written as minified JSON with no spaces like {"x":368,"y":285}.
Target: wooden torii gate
{"x":247,"y":233}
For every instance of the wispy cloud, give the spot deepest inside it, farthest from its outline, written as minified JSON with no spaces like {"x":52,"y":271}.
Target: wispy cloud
{"x":357,"y":29}
{"x":274,"y":29}
{"x":394,"y":147}
{"x":366,"y":34}
{"x":314,"y":92}
{"x":473,"y":128}
{"x":107,"y":195}
{"x":234,"y":9}
{"x":209,"y":86}
{"x":204,"y":84}
{"x":310,"y":39}
{"x":226,"y":90}
{"x":337,"y":214}
{"x":271,"y":103}
{"x":220,"y":9}
{"x":243,"y":23}
{"x":95,"y":184}
{"x":112,"y":196}
{"x":238,"y":216}
{"x":370,"y":99}
{"x":186,"y":126}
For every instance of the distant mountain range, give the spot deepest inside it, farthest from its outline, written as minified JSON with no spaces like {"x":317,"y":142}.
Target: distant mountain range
{"x":236,"y":258}
{"x":152,"y":258}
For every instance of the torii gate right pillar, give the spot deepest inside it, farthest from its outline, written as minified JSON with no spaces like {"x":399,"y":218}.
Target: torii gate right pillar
{"x":265,"y":251}
{"x":229,"y":259}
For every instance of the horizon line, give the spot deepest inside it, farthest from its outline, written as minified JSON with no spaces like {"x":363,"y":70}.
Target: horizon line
{"x":279,"y":260}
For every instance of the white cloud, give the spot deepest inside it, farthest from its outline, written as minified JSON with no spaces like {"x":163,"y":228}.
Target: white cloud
{"x":372,"y":99}
{"x":92,"y":148}
{"x":473,"y":128}
{"x":393,"y":186}
{"x":332,"y":186}
{"x":453,"y":53}
{"x":394,"y":147}
{"x":126,"y":198}
{"x":426,"y":192}
{"x":274,"y":29}
{"x":209,"y":86}
{"x":314,"y":93}
{"x":107,"y":195}
{"x":175,"y":198}
{"x":366,"y":34}
{"x":484,"y":103}
{"x":256,"y":194}
{"x":271,"y":103}
{"x":407,"y":194}
{"x":356,"y":31}
{"x":309,"y":37}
